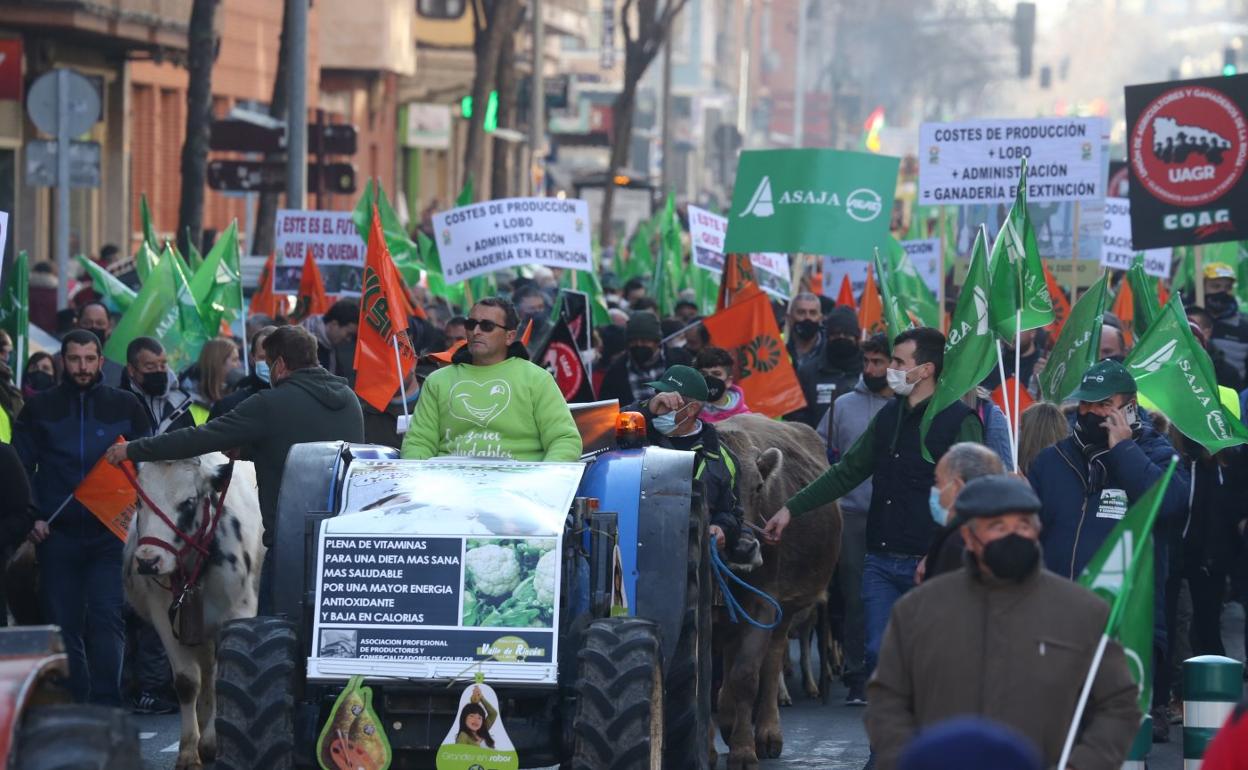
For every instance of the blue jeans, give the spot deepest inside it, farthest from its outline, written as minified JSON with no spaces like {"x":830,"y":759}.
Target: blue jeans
{"x":884,"y":580}
{"x":80,"y":588}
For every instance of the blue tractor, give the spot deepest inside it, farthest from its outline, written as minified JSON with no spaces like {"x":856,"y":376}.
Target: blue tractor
{"x":630,"y":685}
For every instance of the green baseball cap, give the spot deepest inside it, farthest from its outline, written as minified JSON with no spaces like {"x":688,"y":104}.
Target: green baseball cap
{"x":684,"y":380}
{"x":1102,"y":380}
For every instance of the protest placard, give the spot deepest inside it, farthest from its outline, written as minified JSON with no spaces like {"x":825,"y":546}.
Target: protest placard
{"x":706,"y":236}
{"x":1117,"y":251}
{"x":335,"y":244}
{"x":494,"y":235}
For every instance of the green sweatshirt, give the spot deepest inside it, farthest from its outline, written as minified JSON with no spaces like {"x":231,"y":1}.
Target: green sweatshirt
{"x":512,"y":410}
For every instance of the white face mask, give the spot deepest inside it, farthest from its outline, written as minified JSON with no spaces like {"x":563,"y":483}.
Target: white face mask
{"x":897,"y":381}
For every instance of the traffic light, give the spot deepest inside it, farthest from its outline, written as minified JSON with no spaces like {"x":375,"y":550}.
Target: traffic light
{"x":1024,"y":36}
{"x":491,"y":110}
{"x":1228,"y":61}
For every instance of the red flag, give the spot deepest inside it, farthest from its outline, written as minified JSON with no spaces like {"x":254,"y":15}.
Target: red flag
{"x":846,"y":297}
{"x":264,"y":301}
{"x":764,"y":372}
{"x":107,"y":493}
{"x":384,"y":313}
{"x":312,"y":298}
{"x":870,"y":308}
{"x":1024,"y":400}
{"x":737,"y":283}
{"x":1061,"y":305}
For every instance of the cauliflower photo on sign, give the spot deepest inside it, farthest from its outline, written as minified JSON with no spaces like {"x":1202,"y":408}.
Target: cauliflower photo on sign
{"x":510,"y":583}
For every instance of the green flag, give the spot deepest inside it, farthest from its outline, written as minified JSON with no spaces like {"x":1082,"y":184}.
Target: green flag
{"x":1121,"y":573}
{"x":1018,"y":284}
{"x":895,"y":318}
{"x":405,"y":254}
{"x":438,"y":287}
{"x":193,"y":259}
{"x":705,"y":289}
{"x":970,"y":350}
{"x":640,"y":263}
{"x":585,"y":281}
{"x":15,"y":314}
{"x":116,"y":295}
{"x":909,"y":288}
{"x":1176,"y":374}
{"x":1143,"y":297}
{"x":149,"y":232}
{"x":1078,"y":346}
{"x":1185,"y":270}
{"x":165,"y":309}
{"x":668,"y":274}
{"x":483,"y":285}
{"x":216,"y":286}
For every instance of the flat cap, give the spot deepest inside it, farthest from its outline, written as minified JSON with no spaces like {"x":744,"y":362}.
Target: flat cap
{"x":995,"y":495}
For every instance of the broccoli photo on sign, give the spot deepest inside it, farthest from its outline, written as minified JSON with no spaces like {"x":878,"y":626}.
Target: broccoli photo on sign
{"x":510,"y":582}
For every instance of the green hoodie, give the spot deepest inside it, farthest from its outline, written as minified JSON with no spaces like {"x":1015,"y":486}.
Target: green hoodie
{"x":511,"y":410}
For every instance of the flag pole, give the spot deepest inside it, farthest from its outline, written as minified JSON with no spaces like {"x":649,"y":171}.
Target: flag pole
{"x":1083,"y":701}
{"x":398,"y":367}
{"x":242,"y":304}
{"x":1016,"y":422}
{"x":1006,"y":401}
{"x":1074,"y":259}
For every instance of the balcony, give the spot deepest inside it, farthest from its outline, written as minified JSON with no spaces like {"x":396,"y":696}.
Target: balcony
{"x":149,"y":24}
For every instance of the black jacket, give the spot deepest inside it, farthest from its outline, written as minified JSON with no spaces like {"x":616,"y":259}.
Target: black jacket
{"x":60,"y":435}
{"x":247,"y":387}
{"x":616,"y":383}
{"x":16,"y":514}
{"x":823,"y":378}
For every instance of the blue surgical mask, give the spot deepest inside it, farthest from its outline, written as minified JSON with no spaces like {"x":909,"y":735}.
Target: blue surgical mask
{"x":940,"y":514}
{"x":262,"y":370}
{"x":665,"y":423}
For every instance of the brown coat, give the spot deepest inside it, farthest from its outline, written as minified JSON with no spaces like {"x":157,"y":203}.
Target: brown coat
{"x":966,"y":644}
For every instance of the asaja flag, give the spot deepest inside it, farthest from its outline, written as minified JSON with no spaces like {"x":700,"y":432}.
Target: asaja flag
{"x":970,"y":347}
{"x":748,"y":329}
{"x":1017,"y":271}
{"x":1078,"y":346}
{"x":909,"y":288}
{"x":115,"y":294}
{"x":15,"y":313}
{"x":562,"y":359}
{"x":1174,"y":372}
{"x":406,"y":256}
{"x":1121,"y":573}
{"x":264,"y":301}
{"x":640,"y":263}
{"x":1144,"y":300}
{"x":218,"y":285}
{"x":845,"y":297}
{"x":193,"y":258}
{"x":870,"y":308}
{"x":671,"y":262}
{"x":896,"y":320}
{"x":1061,"y":305}
{"x":312,"y":299}
{"x":438,"y":287}
{"x":384,"y":314}
{"x":165,"y":309}
{"x":108,"y":494}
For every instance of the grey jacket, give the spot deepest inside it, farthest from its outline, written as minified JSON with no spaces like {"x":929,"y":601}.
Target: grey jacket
{"x":853,"y":413}
{"x":967,"y":644}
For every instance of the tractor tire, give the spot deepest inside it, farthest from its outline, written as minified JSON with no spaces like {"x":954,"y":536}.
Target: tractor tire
{"x":618,"y":723}
{"x":256,"y":667}
{"x":686,"y":742}
{"x":77,"y":737}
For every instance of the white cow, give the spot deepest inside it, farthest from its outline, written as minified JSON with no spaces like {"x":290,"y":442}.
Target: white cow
{"x":229,"y":578}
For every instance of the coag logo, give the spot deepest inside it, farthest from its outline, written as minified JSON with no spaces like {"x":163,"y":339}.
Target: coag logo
{"x":1217,"y":425}
{"x":760,"y":203}
{"x":863,"y":205}
{"x":981,"y":310}
{"x":1158,"y":359}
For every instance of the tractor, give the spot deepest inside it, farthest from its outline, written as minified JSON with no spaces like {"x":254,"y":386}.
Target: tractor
{"x":627,"y":681}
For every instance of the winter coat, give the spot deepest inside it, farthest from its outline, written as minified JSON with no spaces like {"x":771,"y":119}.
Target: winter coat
{"x":823,"y":381}
{"x":1230,"y":337}
{"x":966,"y":643}
{"x":618,"y":384}
{"x":61,"y":433}
{"x":16,"y":514}
{"x":171,"y":411}
{"x":309,"y":405}
{"x":849,"y":420}
{"x":246,"y":388}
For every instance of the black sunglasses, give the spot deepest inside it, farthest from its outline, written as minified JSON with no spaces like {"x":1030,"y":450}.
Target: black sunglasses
{"x":486,"y":326}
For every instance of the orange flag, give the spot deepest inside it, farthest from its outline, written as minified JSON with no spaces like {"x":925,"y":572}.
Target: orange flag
{"x":1024,"y":399}
{"x":1163,"y":295}
{"x":264,"y":301}
{"x":846,"y":297}
{"x":870,"y":309}
{"x":107,"y":493}
{"x":384,"y":314}
{"x":312,"y":298}
{"x":1061,"y":305}
{"x":764,"y":372}
{"x":737,"y":283}
{"x":1124,"y":308}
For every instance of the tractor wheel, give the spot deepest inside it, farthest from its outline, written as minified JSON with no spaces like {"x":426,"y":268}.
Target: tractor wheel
{"x":77,"y":737}
{"x":256,"y":664}
{"x":619,"y":697}
{"x":688,"y":707}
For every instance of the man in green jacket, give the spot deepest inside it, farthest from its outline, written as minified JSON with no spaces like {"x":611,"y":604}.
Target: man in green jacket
{"x":492,"y":401}
{"x":305,"y":403}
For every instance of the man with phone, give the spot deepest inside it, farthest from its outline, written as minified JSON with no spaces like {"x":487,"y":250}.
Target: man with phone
{"x":1087,"y":481}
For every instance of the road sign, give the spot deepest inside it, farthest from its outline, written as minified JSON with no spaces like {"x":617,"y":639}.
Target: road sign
{"x":84,"y":163}
{"x":259,"y":176}
{"x":240,"y":135}
{"x":84,"y":103}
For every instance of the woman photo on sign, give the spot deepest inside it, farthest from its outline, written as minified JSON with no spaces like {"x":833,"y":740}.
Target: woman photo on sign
{"x":475,"y":720}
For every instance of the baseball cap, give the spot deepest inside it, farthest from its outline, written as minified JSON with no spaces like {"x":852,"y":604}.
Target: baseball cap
{"x":644,"y":325}
{"x":995,"y":495}
{"x":684,"y":380}
{"x":1219,"y":270}
{"x":1102,"y":380}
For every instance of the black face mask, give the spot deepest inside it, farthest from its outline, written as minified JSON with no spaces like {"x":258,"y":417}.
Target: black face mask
{"x":154,"y":384}
{"x":1220,"y":303}
{"x":1090,"y":430}
{"x":1012,"y":557}
{"x":39,"y":381}
{"x":844,"y":350}
{"x":715,"y":388}
{"x":806,"y":330}
{"x":101,"y":335}
{"x":642,"y":356}
{"x":875,"y":384}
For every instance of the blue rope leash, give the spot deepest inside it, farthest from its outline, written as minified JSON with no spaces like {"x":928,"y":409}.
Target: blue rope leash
{"x":734,"y":607}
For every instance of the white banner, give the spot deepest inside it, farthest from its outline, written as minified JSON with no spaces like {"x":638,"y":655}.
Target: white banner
{"x":977,"y":161}
{"x":335,"y":244}
{"x":494,"y":235}
{"x":772,"y":271}
{"x":1117,"y":253}
{"x":428,"y":126}
{"x":924,"y":254}
{"x":706,"y":235}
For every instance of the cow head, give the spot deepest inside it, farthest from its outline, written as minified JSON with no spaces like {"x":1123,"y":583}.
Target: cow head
{"x":179,"y":489}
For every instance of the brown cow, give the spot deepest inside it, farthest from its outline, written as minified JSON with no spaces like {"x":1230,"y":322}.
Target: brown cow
{"x":776,"y":460}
